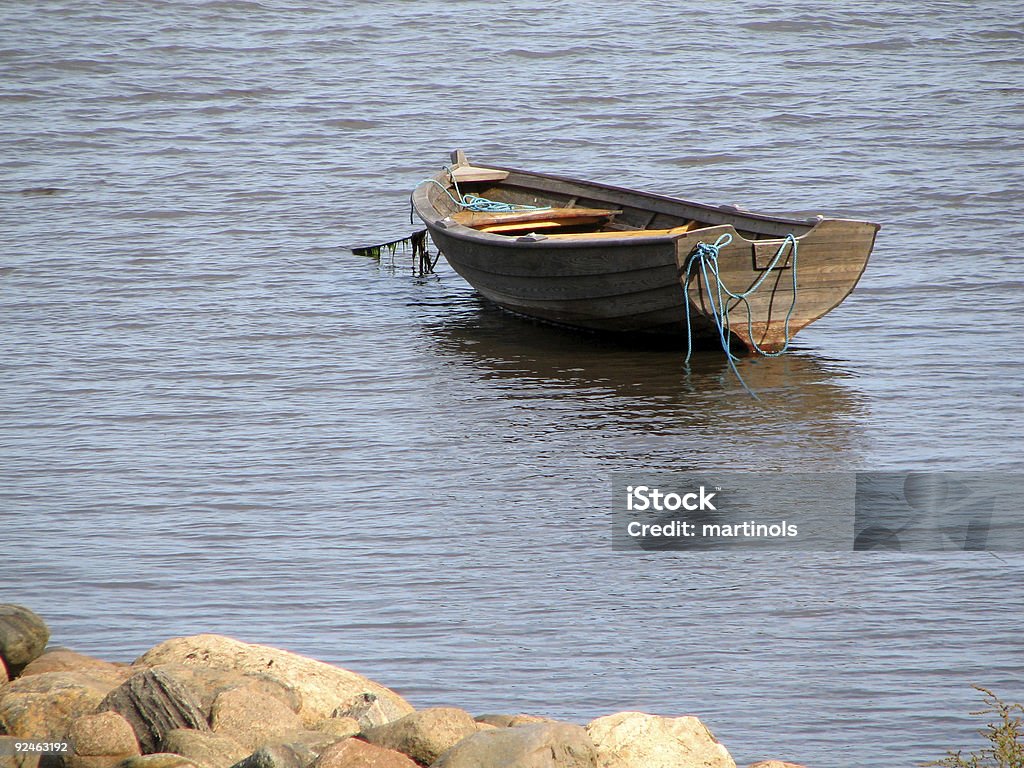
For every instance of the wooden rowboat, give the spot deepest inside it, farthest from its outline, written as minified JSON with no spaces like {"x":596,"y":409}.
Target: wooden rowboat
{"x":605,"y":258}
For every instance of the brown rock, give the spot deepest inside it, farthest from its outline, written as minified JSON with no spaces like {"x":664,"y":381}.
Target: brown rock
{"x":510,"y":721}
{"x":23,"y":636}
{"x":103,"y":733}
{"x":158,"y":760}
{"x":21,"y":761}
{"x":539,"y":745}
{"x":210,"y":750}
{"x":638,"y":740}
{"x":100,"y":741}
{"x":774,"y":764}
{"x":42,"y":707}
{"x":252,"y":719}
{"x":355,"y":753}
{"x":323,"y":687}
{"x":207,"y":683}
{"x":370,"y":710}
{"x":297,"y":750}
{"x":64,"y":660}
{"x":4,"y":677}
{"x":340,"y":727}
{"x":424,"y":735}
{"x":155,"y":704}
{"x":309,"y":745}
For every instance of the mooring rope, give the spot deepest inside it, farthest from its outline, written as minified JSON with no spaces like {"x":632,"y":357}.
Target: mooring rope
{"x":478,"y":203}
{"x":705,"y":257}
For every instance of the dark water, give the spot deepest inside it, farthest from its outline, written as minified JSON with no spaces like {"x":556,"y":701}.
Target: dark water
{"x":216,"y":418}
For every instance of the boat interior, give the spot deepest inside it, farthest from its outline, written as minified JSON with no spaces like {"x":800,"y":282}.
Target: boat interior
{"x":574,"y":211}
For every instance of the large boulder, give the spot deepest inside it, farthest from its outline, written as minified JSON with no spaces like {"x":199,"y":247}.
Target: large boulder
{"x":252,"y":719}
{"x":639,"y":740}
{"x":324,"y":688}
{"x":354,"y":753}
{"x":540,"y":745}
{"x":65,"y":660}
{"x":23,"y":637}
{"x":155,"y":704}
{"x":207,"y":683}
{"x":210,"y":750}
{"x":510,"y":721}
{"x":424,"y":735}
{"x":42,"y":707}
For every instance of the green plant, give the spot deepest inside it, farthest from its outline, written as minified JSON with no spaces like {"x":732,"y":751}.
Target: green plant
{"x":1005,"y":737}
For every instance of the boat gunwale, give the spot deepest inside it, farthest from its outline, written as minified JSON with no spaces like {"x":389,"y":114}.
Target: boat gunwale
{"x":422,"y":204}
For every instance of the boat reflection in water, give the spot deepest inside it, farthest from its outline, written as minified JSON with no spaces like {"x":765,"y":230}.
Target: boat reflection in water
{"x":659,"y":412}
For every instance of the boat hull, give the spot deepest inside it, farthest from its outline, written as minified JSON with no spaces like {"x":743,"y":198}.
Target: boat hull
{"x":642,"y":280}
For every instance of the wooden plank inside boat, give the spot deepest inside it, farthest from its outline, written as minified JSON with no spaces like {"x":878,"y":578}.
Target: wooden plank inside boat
{"x":467,"y":174}
{"x":628,"y":233}
{"x":531,"y":226}
{"x":566,"y":217}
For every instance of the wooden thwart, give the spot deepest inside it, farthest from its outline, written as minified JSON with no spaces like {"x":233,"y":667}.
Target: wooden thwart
{"x":566,"y":217}
{"x":626,"y":233}
{"x":534,"y":226}
{"x":466,"y":174}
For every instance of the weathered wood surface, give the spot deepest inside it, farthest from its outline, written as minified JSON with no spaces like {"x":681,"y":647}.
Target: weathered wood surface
{"x":481,"y":219}
{"x":628,"y":279}
{"x":830,"y":260}
{"x":625,"y":233}
{"x":467,"y":174}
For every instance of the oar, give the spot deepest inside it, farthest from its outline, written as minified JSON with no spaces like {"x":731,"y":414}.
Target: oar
{"x":423,"y":265}
{"x":416,"y":240}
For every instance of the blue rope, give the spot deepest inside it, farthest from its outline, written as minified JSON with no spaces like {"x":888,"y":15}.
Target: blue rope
{"x":477,"y":203}
{"x":706,"y":257}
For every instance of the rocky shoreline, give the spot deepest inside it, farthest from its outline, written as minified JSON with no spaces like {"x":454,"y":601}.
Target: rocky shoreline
{"x":210,"y":701}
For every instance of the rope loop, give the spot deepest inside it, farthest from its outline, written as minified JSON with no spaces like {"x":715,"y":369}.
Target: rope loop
{"x":704,"y":261}
{"x":476,"y":202}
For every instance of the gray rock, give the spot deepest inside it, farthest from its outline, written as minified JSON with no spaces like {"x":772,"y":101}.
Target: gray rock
{"x":539,"y":745}
{"x":424,"y":735}
{"x":23,"y":637}
{"x":155,"y":704}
